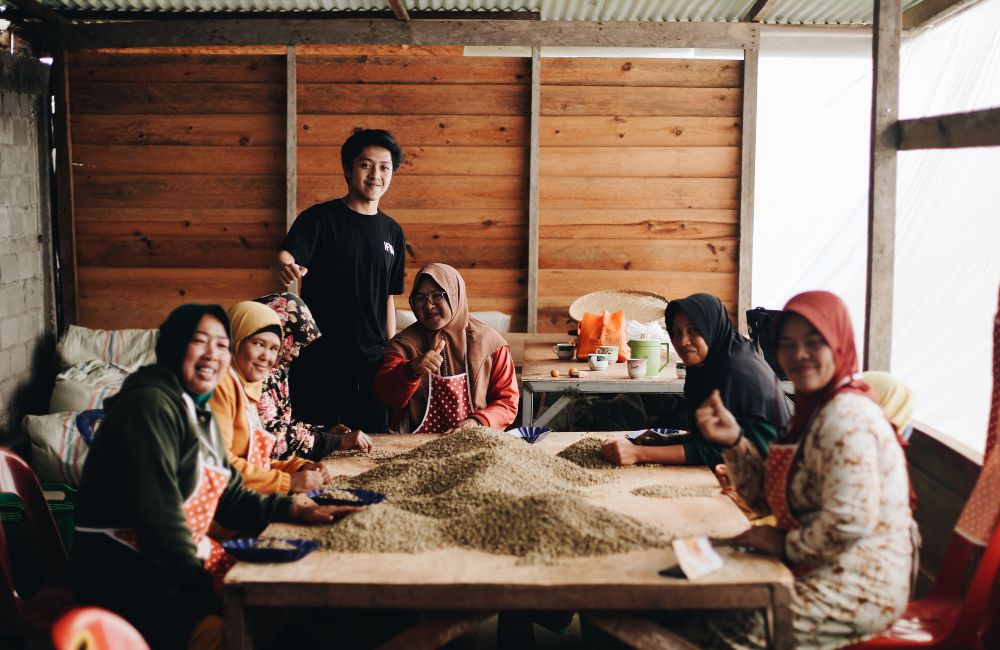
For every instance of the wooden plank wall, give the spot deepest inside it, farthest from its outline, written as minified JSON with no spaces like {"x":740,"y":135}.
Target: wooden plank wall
{"x":179,"y":182}
{"x":639,"y":179}
{"x":461,"y":194}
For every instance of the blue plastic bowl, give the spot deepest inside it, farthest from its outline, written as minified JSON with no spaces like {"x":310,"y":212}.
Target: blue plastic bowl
{"x":659,"y":437}
{"x":530,"y":435}
{"x":248,"y":550}
{"x":363,"y":498}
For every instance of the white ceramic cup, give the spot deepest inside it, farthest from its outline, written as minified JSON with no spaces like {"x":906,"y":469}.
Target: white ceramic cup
{"x":564,"y":351}
{"x":597,"y":361}
{"x":636,"y":368}
{"x":611,"y":351}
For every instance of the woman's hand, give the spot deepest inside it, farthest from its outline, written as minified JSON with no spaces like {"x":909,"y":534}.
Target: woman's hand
{"x":717,"y":424}
{"x":768,"y":539}
{"x":317,"y":467}
{"x":314,"y":514}
{"x":356,"y":439}
{"x":467,"y":423}
{"x":428,"y":362}
{"x":304,"y":481}
{"x":620,"y":452}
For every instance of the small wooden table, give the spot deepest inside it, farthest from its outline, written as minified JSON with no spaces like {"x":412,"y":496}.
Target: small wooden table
{"x":465,"y":581}
{"x":537,"y":379}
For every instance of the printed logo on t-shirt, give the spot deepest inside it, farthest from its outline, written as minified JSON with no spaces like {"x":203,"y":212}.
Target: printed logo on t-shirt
{"x":389,"y":249}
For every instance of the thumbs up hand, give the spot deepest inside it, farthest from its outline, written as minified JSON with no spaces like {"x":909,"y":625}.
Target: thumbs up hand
{"x":717,"y":424}
{"x":429,"y":362}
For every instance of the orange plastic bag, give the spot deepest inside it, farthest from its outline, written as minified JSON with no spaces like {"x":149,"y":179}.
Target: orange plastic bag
{"x":602,"y":329}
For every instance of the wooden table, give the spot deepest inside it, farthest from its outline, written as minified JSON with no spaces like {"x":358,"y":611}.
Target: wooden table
{"x":466,"y":582}
{"x":536,"y":379}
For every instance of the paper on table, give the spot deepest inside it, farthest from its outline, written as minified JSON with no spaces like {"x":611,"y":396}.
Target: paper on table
{"x":696,"y":556}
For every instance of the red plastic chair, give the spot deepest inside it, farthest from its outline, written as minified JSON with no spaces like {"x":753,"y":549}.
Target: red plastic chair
{"x":943,"y":619}
{"x":35,"y":615}
{"x":93,"y":628}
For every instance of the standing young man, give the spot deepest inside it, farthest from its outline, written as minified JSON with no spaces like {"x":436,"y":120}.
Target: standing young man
{"x":354,"y":255}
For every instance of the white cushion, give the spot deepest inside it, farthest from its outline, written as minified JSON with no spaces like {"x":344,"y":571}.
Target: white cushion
{"x":85,"y":386}
{"x":57,"y":448}
{"x":128,"y":349}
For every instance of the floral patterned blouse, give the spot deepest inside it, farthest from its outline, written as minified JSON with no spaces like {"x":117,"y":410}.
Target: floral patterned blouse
{"x":854,"y":547}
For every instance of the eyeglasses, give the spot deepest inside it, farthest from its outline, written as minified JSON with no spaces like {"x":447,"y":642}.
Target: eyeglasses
{"x":419,"y":299}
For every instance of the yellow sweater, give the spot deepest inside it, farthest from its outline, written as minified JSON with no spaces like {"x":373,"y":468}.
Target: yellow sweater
{"x":228,"y":403}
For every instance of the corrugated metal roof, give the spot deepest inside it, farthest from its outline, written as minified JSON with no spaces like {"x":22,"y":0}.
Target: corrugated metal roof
{"x":783,"y":12}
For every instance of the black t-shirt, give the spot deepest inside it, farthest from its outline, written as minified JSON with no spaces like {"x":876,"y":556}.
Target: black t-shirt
{"x":355,"y":262}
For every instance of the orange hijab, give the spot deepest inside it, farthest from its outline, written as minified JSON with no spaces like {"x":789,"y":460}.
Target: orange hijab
{"x":469,"y":343}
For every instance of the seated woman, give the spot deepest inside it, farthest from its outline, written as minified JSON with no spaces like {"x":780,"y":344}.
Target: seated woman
{"x":837,"y":484}
{"x":296,"y":438}
{"x":718,"y":358}
{"x":257,"y":334}
{"x":895,"y":398}
{"x":446,"y":371}
{"x":153,"y":480}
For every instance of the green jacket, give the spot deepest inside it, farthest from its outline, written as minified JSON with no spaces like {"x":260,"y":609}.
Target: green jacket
{"x":143,"y":464}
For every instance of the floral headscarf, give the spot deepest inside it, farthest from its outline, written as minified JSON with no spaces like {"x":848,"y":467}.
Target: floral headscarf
{"x":296,"y":319}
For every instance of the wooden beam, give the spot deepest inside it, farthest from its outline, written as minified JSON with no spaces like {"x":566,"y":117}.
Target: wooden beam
{"x":300,"y":31}
{"x":65,"y":195}
{"x":882,"y":184}
{"x":399,"y":10}
{"x":972,"y":129}
{"x":534,"y":126}
{"x":747,"y":177}
{"x":928,"y":13}
{"x":637,"y":632}
{"x":760,"y":11}
{"x":34,"y":9}
{"x":291,"y":145}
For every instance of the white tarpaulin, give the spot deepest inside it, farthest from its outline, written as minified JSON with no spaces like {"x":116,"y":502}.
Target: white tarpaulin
{"x":811,"y":202}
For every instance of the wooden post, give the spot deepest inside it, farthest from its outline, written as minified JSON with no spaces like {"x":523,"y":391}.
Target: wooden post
{"x":65,"y":195}
{"x":43,"y":115}
{"x":291,"y":146}
{"x":536,"y":101}
{"x":748,"y":154}
{"x":882,"y":184}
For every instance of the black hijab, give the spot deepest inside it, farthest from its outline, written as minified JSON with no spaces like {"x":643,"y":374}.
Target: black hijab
{"x":734,"y":366}
{"x":176,"y":332}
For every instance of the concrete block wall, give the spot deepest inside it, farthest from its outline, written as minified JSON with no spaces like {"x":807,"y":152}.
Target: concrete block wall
{"x":27,"y":322}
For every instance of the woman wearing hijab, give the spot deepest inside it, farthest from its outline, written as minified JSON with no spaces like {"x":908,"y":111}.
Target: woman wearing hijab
{"x":154,"y":478}
{"x":448,"y":370}
{"x":717,"y":358}
{"x":895,"y":398}
{"x":836,"y":483}
{"x":257,"y":334}
{"x":294,"y":437}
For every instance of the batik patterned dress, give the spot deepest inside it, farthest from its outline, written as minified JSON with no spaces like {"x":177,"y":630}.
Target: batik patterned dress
{"x":853,"y":551}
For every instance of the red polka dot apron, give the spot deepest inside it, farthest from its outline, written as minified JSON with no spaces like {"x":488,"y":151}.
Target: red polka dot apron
{"x":448,"y":403}
{"x":780,"y":460}
{"x":261,"y":441}
{"x":199,"y":510}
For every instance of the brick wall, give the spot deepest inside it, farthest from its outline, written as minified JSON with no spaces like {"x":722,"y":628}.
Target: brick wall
{"x":26,"y":306}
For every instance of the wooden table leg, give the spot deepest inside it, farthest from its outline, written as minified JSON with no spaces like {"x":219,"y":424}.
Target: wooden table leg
{"x":527,"y":407}
{"x":782,"y":618}
{"x":237,"y":631}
